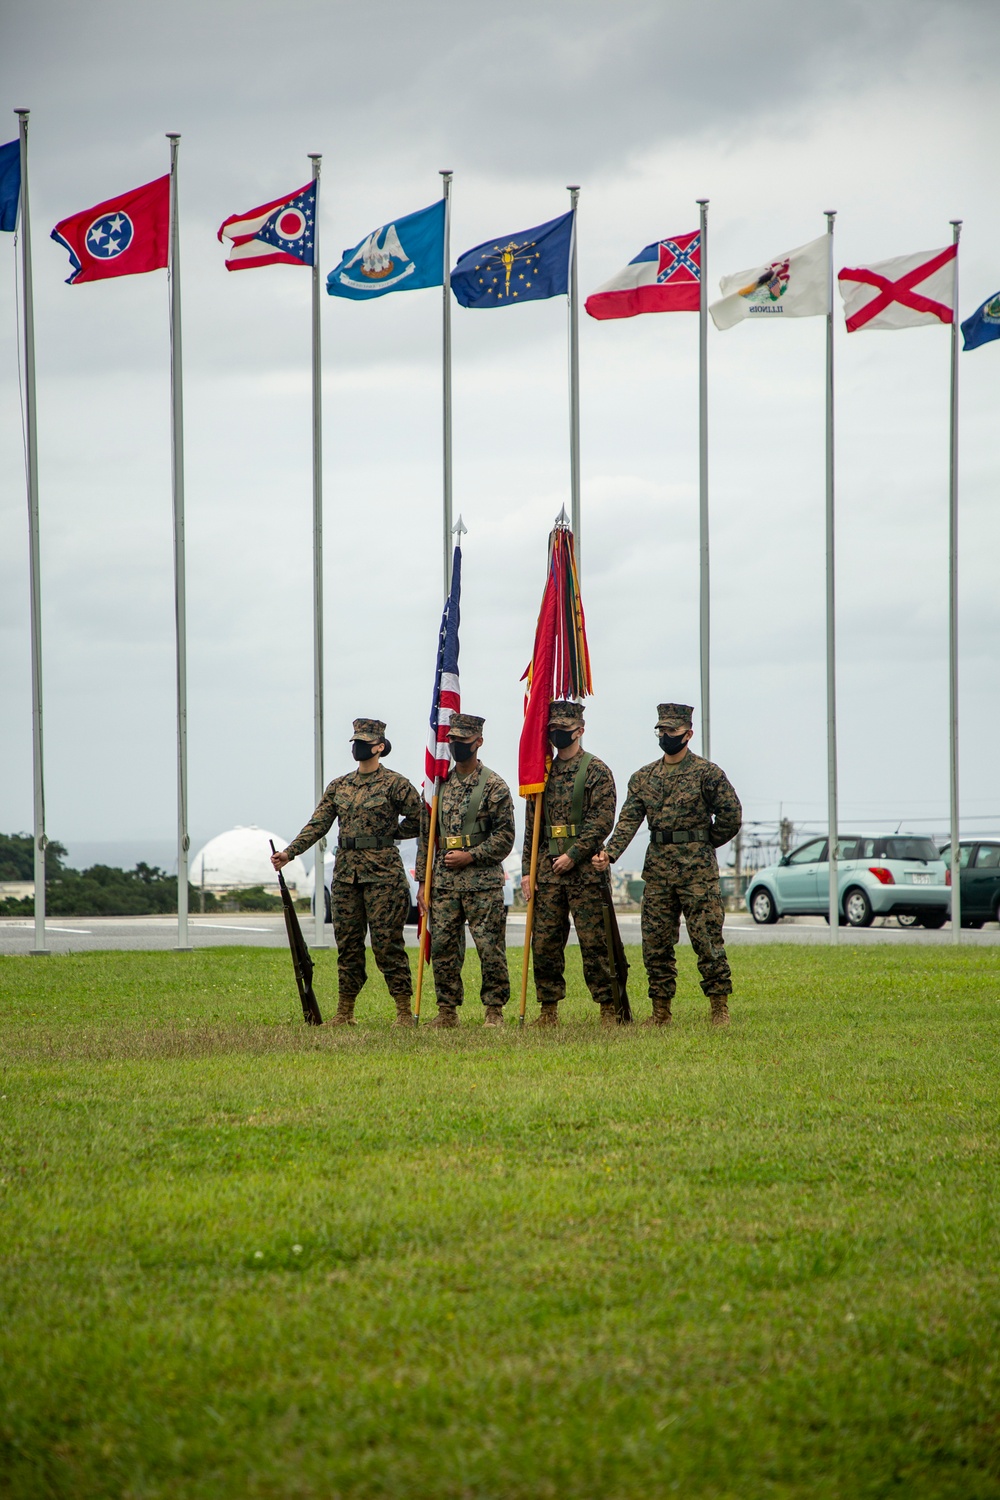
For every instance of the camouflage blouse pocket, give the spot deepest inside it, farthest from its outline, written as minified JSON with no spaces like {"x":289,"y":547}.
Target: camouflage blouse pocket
{"x":374,"y":803}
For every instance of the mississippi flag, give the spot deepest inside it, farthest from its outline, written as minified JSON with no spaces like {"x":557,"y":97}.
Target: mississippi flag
{"x":901,"y":293}
{"x":665,"y":277}
{"x":122,"y":237}
{"x":282,"y":233}
{"x":447,"y":698}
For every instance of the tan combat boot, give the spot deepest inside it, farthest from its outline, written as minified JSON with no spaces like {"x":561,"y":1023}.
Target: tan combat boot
{"x":404,"y":1015}
{"x":345,"y":1012}
{"x":446,"y":1018}
{"x":609,"y":1016}
{"x":494,"y":1015}
{"x":720,"y":1010}
{"x":548,"y":1015}
{"x":661,"y":1014}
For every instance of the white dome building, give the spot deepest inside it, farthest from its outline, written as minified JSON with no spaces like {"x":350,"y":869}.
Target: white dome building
{"x":242,"y":858}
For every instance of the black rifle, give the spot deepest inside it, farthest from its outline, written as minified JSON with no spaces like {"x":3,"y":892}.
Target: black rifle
{"x":617,"y":962}
{"x":301,"y":961}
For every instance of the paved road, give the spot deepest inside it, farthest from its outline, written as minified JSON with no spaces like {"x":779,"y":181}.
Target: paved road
{"x":93,"y":934}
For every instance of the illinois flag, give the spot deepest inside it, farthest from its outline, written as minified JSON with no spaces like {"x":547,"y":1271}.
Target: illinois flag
{"x":905,"y":292}
{"x":665,"y":277}
{"x":793,"y":285}
{"x":278,"y":233}
{"x":123,"y":236}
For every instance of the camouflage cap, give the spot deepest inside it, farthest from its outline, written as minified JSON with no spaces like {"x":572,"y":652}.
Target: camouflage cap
{"x":466,"y":726}
{"x":565,"y":715}
{"x":371,"y":730}
{"x":673,"y":715}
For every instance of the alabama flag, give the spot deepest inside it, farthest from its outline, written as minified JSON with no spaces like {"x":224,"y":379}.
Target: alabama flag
{"x":793,"y":285}
{"x":122,"y":237}
{"x":902,"y":293}
{"x":665,"y":277}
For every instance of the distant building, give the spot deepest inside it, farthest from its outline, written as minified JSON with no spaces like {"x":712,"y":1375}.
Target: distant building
{"x":240,"y":859}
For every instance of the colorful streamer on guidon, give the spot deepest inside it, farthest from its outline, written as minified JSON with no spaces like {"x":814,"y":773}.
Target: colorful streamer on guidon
{"x":560,"y":661}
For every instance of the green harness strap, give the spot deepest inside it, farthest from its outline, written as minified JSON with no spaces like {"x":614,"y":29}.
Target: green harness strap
{"x":556,"y":841}
{"x":471,"y":836}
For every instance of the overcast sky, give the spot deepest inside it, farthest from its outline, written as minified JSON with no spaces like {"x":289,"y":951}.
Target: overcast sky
{"x":887,"y":113}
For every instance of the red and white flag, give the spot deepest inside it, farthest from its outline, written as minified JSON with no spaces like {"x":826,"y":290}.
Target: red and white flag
{"x":905,"y":292}
{"x":275,"y":234}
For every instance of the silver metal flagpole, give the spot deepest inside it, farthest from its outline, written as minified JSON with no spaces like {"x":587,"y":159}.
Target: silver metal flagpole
{"x":319,"y":869}
{"x":833,"y":908}
{"x":956,"y":885}
{"x":446,"y":177}
{"x":31,"y":445}
{"x":180,"y":601}
{"x":705,"y":595}
{"x":574,"y":378}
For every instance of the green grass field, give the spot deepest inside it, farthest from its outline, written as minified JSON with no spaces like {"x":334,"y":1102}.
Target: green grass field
{"x":242,"y":1258}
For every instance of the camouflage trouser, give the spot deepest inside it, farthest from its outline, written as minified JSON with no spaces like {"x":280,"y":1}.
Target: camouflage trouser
{"x":662,"y":905}
{"x":555,"y":902}
{"x":487,"y":918}
{"x":382,"y":907}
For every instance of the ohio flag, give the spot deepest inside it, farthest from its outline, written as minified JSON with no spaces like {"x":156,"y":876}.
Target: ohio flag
{"x":278,"y":233}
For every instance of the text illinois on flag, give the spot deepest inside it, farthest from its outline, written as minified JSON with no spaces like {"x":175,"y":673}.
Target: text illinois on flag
{"x":793,"y":285}
{"x":123,"y":236}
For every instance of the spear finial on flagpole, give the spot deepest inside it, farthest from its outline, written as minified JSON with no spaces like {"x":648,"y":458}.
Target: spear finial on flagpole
{"x":459,"y":530}
{"x":562,"y":519}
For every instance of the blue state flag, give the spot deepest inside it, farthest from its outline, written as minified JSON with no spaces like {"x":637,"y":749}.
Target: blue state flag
{"x":516,"y":267}
{"x":984,"y":325}
{"x":10,"y":184}
{"x":396,"y":257}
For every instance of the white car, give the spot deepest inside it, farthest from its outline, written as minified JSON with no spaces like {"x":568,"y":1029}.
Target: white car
{"x":878,"y":875}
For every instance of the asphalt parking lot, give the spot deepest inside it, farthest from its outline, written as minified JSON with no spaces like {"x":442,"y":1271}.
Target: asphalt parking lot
{"x":94,"y":934}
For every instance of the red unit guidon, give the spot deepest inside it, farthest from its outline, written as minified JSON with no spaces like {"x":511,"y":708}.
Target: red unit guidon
{"x":282,"y":233}
{"x":665,"y":277}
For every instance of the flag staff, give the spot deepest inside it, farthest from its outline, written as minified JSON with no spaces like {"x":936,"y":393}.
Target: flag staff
{"x":39,"y":840}
{"x":319,"y":869}
{"x":446,"y":177}
{"x":574,"y":377}
{"x":180,"y":601}
{"x":704,"y":605}
{"x":956,"y":885}
{"x":833,"y":908}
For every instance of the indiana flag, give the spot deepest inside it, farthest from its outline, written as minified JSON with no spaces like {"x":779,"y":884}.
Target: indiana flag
{"x":906,"y":292}
{"x":665,"y":277}
{"x":793,"y":285}
{"x":521,"y":267}
{"x":446,"y":698}
{"x":121,"y":237}
{"x":282,"y":233}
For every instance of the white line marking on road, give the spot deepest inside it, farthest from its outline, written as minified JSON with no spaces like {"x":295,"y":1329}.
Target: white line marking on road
{"x":230,"y":927}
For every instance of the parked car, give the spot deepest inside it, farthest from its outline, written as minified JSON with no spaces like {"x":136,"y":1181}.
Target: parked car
{"x":979,"y":873}
{"x":879,"y":875}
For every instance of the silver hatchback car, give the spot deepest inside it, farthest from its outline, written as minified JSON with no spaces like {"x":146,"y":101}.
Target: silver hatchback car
{"x":878,"y":875}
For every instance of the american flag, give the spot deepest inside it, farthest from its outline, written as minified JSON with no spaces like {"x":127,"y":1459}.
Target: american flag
{"x":447,"y":698}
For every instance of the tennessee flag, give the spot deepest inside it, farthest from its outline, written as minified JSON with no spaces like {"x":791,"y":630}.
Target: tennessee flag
{"x":123,"y":236}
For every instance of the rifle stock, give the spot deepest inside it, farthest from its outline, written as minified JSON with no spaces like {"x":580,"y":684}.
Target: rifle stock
{"x":301,"y":959}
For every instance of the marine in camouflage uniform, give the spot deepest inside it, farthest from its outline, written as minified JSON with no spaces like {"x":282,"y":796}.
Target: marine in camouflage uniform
{"x":692,"y":810}
{"x":474,"y":836}
{"x":373,"y":808}
{"x":578,"y":809}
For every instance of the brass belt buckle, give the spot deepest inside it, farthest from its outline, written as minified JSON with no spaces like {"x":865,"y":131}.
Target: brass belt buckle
{"x":453,"y":841}
{"x":560,"y":830}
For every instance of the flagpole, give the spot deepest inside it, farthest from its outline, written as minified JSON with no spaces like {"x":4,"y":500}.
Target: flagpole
{"x":833,"y":904}
{"x":180,"y":602}
{"x":319,"y":868}
{"x":574,"y":376}
{"x":446,"y":177}
{"x":34,"y":541}
{"x":956,"y":885}
{"x":704,"y":607}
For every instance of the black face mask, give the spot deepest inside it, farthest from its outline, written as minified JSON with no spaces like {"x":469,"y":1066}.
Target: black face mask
{"x":361,"y":750}
{"x":671,"y":743}
{"x":462,"y":751}
{"x":561,"y":738}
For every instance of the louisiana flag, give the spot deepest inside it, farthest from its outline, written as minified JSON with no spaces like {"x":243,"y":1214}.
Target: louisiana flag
{"x":123,"y":236}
